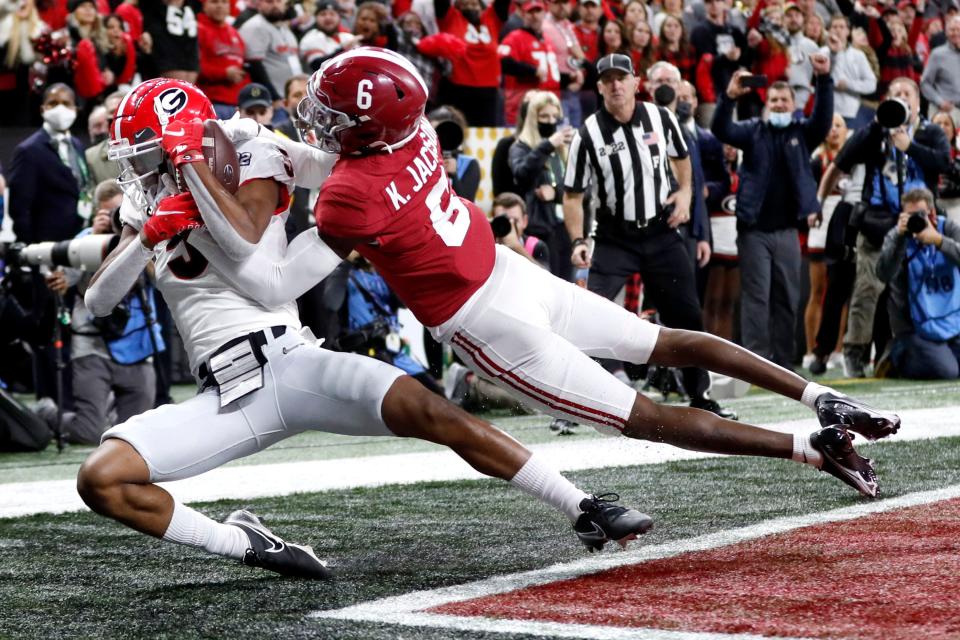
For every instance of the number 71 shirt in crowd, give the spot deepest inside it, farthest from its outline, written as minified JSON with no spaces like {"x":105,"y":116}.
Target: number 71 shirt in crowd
{"x":535,"y":67}
{"x":432,"y":247}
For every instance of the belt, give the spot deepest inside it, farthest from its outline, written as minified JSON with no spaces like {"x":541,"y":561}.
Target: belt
{"x":257,"y":338}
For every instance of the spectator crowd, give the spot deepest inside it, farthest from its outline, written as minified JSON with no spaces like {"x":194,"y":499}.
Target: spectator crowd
{"x":822,"y":137}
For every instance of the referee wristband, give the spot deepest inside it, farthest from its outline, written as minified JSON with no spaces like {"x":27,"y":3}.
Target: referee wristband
{"x":578,"y":242}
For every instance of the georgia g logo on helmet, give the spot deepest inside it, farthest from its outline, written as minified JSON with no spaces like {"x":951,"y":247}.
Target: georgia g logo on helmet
{"x":168,"y":103}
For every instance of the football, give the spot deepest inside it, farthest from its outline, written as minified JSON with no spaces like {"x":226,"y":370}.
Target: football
{"x":221,"y":155}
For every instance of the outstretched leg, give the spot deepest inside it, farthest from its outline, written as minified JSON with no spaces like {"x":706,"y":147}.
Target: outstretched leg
{"x":676,"y":348}
{"x":409,"y":410}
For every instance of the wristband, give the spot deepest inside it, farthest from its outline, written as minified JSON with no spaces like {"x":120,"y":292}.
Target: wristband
{"x":578,"y":242}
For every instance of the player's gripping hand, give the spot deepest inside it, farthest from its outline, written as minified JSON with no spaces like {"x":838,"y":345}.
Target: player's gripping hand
{"x":183,"y":142}
{"x":174,"y":215}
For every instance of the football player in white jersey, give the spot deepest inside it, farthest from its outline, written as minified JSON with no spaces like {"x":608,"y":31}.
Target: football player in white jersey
{"x":261,"y":379}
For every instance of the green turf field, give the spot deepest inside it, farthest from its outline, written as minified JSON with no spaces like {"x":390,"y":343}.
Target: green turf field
{"x":77,"y":575}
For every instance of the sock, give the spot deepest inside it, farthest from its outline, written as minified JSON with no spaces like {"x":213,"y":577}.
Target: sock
{"x":811,"y":392}
{"x":804,"y":452}
{"x":194,"y":529}
{"x":547,"y":485}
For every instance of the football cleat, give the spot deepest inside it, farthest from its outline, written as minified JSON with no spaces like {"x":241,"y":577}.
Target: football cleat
{"x":840,"y":459}
{"x":269,"y":552}
{"x":563,"y":427}
{"x":838,"y":409}
{"x":602,"y":521}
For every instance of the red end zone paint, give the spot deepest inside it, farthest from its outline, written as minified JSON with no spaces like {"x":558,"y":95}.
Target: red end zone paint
{"x":887,"y":576}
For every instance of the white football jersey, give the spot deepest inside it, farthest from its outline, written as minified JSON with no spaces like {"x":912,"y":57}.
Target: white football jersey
{"x":208,"y":309}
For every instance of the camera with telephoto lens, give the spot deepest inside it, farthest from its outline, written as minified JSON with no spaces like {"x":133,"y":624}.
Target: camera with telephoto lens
{"x":86,"y":253}
{"x":893,"y":113}
{"x":501,"y":226}
{"x":917,"y":222}
{"x":370,"y":336}
{"x":450,"y":136}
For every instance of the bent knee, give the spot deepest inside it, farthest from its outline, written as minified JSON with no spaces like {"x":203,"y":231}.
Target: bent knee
{"x":104,"y":473}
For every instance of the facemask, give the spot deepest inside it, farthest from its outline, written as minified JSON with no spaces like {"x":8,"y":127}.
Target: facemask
{"x":472,"y":16}
{"x":684,"y":111}
{"x":546,"y":129}
{"x":100,"y":137}
{"x":61,"y":117}
{"x":780,"y":119}
{"x":664,"y":95}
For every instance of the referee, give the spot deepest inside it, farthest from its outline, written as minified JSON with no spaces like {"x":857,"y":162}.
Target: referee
{"x":626,"y":154}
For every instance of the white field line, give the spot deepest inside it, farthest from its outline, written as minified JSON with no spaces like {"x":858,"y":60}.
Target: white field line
{"x":255,"y":481}
{"x":407,"y":609}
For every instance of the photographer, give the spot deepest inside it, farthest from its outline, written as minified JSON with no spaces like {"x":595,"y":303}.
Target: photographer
{"x":111,"y":354}
{"x":509,"y":224}
{"x":372,"y":324}
{"x":920,"y":260}
{"x":463,"y":170}
{"x":777,"y":193}
{"x":908,"y":153}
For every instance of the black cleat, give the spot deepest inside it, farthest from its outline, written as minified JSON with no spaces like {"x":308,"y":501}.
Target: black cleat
{"x":838,"y":409}
{"x":840,"y":459}
{"x":602,"y":521}
{"x":267,"y":551}
{"x":563,"y":427}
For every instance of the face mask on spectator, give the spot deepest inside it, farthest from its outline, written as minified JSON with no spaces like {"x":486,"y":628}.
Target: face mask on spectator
{"x":780,"y":119}
{"x":684,"y":111}
{"x":60,"y":117}
{"x":100,"y":137}
{"x":472,"y":16}
{"x":664,"y":95}
{"x":546,"y":129}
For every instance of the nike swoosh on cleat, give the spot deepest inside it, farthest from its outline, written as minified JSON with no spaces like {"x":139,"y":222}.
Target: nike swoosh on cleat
{"x":596,"y":534}
{"x":278,"y":545}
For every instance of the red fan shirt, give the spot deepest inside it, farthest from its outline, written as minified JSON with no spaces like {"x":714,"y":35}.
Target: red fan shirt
{"x":480,"y":66}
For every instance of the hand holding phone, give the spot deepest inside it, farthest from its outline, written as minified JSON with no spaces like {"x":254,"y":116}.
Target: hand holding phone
{"x":758,"y":81}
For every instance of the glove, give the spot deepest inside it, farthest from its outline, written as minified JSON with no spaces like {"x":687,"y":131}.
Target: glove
{"x":240,"y":129}
{"x":183,"y":142}
{"x":174,"y":215}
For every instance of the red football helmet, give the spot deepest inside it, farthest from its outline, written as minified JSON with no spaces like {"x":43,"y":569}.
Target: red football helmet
{"x":364,"y":100}
{"x":138,"y":129}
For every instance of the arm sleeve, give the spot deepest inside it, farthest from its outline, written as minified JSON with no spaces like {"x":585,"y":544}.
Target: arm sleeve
{"x":891,"y":255}
{"x":579,"y":168}
{"x":929,"y":78}
{"x":935,"y":156}
{"x":232,"y":243}
{"x":736,"y":134}
{"x":22,"y":181}
{"x":951,"y":241}
{"x":526,"y":163}
{"x":87,"y":74}
{"x":272,"y":282}
{"x":117,"y":278}
{"x":818,"y":125}
{"x":864,"y":82}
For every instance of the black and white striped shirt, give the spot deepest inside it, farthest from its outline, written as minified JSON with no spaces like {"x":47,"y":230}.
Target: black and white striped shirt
{"x":625,"y":166}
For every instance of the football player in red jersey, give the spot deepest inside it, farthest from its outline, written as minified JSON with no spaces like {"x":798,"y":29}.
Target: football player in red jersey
{"x":529,"y":61}
{"x":513,"y":323}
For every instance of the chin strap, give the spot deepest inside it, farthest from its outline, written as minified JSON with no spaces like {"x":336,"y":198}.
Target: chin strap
{"x":231,"y":242}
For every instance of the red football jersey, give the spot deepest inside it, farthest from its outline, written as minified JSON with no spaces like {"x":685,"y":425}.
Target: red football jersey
{"x":432,"y":247}
{"x":523,"y":46}
{"x":480,"y":67}
{"x":589,"y":41}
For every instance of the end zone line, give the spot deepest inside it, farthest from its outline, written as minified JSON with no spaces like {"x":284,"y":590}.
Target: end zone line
{"x":407,"y":609}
